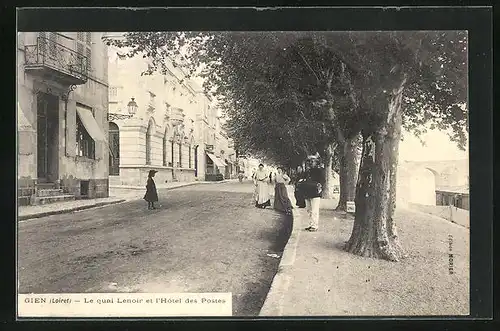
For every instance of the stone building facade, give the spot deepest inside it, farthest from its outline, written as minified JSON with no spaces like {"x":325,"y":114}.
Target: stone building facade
{"x":432,"y":182}
{"x":172,"y":129}
{"x":62,"y":109}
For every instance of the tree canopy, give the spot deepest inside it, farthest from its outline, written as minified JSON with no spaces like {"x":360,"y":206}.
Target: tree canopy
{"x":268,"y":83}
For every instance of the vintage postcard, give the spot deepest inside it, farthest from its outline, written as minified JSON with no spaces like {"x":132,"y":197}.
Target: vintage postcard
{"x":243,"y":173}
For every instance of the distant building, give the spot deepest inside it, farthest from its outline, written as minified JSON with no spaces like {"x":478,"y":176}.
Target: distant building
{"x":157,"y":132}
{"x":62,"y":84}
{"x":434,"y":183}
{"x":415,"y":184}
{"x":453,"y":196}
{"x":225,"y":151}
{"x":215,"y":152}
{"x":172,"y":129}
{"x":248,"y":165}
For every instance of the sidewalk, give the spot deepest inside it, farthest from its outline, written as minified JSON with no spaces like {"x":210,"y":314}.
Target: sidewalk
{"x":318,"y":278}
{"x":28,"y":212}
{"x":117,"y":194}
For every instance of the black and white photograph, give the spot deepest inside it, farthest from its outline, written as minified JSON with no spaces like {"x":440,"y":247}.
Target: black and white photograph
{"x":243,"y":173}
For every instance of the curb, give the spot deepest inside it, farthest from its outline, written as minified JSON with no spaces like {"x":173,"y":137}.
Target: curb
{"x":273,"y":304}
{"x":69,"y":210}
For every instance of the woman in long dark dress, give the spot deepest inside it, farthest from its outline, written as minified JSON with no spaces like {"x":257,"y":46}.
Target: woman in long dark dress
{"x":281,"y":201}
{"x":151,"y":195}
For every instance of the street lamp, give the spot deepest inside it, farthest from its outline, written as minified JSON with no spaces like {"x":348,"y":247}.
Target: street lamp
{"x":132,"y":106}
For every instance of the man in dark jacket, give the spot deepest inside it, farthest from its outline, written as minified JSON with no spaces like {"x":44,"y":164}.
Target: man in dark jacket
{"x":299,"y":179}
{"x":313,"y":190}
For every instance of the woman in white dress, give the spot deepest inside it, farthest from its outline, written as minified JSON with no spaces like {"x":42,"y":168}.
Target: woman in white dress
{"x":261,"y":181}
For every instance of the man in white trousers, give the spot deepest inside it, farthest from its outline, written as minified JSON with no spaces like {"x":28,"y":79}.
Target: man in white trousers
{"x":313,"y":191}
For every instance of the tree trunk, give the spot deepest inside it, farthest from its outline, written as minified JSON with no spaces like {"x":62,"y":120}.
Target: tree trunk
{"x":374,"y":232}
{"x":348,"y":172}
{"x":328,"y":180}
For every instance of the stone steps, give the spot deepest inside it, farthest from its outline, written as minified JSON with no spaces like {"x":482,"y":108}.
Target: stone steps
{"x":23,"y":201}
{"x":52,"y":199}
{"x":45,"y":186}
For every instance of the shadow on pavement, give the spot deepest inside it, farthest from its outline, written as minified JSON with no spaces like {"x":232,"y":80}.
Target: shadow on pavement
{"x":277,"y":236}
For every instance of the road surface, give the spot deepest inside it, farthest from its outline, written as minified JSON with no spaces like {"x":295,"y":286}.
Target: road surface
{"x":203,"y":238}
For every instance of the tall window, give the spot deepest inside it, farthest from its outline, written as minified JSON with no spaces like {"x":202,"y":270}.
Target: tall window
{"x":84,"y":47}
{"x":180,"y":155}
{"x":190,"y":163}
{"x":53,"y":38}
{"x":165,"y":143}
{"x":85,"y":145}
{"x":164,"y":151}
{"x":171,"y":153}
{"x":88,"y":51}
{"x":149,"y":132}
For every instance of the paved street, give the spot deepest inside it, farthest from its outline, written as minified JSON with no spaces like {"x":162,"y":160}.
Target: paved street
{"x":204,"y":238}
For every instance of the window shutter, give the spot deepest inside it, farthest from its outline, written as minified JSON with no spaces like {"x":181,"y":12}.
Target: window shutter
{"x":42,"y":42}
{"x":52,"y":44}
{"x":71,"y":129}
{"x":89,"y":59}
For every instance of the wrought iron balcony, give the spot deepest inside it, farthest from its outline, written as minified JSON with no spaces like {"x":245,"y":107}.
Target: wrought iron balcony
{"x":54,"y":61}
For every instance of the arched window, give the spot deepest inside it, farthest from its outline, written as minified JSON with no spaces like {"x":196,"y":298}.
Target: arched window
{"x":114,"y":149}
{"x":190,"y":161}
{"x":149,"y":133}
{"x":172,"y":152}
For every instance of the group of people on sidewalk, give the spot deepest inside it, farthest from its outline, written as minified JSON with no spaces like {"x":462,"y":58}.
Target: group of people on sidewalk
{"x":262,"y":180}
{"x":308,"y":190}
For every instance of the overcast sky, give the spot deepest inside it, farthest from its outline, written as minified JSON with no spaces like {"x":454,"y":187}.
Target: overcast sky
{"x":438,"y":148}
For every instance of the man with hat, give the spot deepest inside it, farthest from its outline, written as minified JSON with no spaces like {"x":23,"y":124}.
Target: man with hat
{"x":312,"y":189}
{"x":151,"y":195}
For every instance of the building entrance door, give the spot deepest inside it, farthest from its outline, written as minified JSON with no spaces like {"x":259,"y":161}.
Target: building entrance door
{"x":47,"y":137}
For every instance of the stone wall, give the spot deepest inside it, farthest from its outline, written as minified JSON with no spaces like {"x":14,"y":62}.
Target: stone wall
{"x":450,"y":213}
{"x":25,"y":189}
{"x":98,"y":188}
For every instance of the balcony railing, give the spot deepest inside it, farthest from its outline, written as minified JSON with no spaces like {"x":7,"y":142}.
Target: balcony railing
{"x":50,"y":58}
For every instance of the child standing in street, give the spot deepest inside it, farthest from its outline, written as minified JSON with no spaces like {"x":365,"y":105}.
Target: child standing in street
{"x":151,"y":195}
